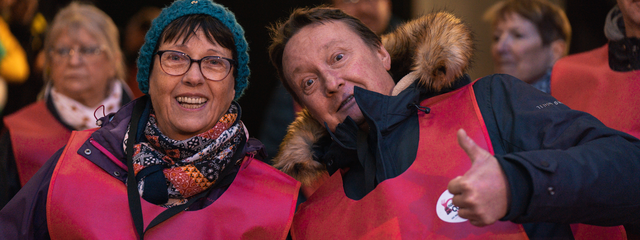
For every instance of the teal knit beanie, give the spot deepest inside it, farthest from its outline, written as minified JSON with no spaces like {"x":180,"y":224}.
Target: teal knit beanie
{"x":189,"y":7}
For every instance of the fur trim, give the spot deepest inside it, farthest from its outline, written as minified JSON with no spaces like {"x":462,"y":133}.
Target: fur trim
{"x":295,"y":157}
{"x":436,"y":49}
{"x":437,"y":46}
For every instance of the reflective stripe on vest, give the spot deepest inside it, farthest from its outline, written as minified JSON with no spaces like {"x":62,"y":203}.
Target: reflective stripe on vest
{"x":35,"y":135}
{"x":585,"y":82}
{"x":415,"y":204}
{"x":85,"y":202}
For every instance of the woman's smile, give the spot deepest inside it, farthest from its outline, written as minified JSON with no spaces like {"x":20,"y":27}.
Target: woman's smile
{"x":191,"y":102}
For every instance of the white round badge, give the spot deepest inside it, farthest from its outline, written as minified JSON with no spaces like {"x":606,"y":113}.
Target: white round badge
{"x":446,"y":210}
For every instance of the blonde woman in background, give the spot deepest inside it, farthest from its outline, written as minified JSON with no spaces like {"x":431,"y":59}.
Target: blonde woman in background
{"x":83,"y":71}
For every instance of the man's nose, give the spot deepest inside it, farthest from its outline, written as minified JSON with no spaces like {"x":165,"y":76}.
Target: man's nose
{"x":333,"y":82}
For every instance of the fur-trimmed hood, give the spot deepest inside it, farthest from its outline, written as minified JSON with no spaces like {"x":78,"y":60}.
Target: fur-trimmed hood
{"x":435,"y":50}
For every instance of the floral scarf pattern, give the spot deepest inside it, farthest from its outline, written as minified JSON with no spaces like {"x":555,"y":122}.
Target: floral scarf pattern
{"x":189,"y":166}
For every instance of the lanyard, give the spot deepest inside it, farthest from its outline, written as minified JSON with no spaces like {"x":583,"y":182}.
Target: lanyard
{"x":135,"y":206}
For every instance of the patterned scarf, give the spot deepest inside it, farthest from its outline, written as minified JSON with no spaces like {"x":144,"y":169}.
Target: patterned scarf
{"x":169,"y":171}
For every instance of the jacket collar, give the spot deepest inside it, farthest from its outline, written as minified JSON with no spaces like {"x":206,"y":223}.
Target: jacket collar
{"x":624,"y":55}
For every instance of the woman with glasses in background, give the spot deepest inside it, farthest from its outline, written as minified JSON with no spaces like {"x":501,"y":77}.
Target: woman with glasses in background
{"x":176,"y":163}
{"x":83,"y":71}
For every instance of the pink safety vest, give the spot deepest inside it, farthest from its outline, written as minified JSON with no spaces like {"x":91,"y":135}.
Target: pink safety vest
{"x":415,"y":204}
{"x":85,"y":202}
{"x":35,"y":135}
{"x":585,"y":82}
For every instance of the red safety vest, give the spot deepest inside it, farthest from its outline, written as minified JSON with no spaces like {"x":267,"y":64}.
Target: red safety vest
{"x":35,"y":135}
{"x":415,"y":204}
{"x":85,"y":202}
{"x":585,"y":82}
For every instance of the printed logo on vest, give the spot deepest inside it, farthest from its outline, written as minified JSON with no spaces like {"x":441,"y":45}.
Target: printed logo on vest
{"x":446,"y":210}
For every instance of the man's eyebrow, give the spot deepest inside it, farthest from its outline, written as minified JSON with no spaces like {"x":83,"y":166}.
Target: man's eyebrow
{"x":295,"y":70}
{"x":331,"y":43}
{"x":324,"y":47}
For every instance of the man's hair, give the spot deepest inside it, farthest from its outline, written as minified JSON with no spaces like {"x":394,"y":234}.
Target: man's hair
{"x":550,"y":20}
{"x":282,"y":32}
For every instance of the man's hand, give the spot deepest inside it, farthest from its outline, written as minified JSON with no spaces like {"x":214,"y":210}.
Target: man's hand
{"x":482,"y":193}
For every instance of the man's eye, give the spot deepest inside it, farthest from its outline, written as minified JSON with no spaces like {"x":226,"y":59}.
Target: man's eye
{"x":308,"y":82}
{"x":339,"y":57}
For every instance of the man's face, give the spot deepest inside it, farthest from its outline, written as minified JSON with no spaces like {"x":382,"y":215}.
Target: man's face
{"x":322,"y":64}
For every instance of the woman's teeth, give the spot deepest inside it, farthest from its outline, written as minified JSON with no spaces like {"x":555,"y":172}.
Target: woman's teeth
{"x":191,"y":102}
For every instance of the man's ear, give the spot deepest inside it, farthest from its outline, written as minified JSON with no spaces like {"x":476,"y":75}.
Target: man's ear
{"x":558,"y":50}
{"x":384,"y":57}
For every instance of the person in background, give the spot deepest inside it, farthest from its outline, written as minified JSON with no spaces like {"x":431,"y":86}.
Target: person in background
{"x":135,"y":31}
{"x":377,"y":149}
{"x":14,"y":68}
{"x":83,"y":72}
{"x":376,"y":14}
{"x":29,"y":27}
{"x":529,"y":36}
{"x":176,"y":163}
{"x":605,"y":81}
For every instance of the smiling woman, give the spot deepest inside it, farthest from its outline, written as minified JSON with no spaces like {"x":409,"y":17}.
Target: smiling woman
{"x":179,"y":155}
{"x":190,"y":98}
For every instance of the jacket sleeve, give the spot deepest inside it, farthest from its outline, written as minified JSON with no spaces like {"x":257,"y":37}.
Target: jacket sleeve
{"x":563,"y":166}
{"x":25,"y":217}
{"x":9,"y":179}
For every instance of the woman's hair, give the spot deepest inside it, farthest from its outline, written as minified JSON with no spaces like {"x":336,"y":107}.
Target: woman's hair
{"x":550,"y":20}
{"x":185,"y":27}
{"x":282,"y":32}
{"x":95,"y":22}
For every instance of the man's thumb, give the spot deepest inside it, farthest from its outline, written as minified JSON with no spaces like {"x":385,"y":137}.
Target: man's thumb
{"x":474,"y":151}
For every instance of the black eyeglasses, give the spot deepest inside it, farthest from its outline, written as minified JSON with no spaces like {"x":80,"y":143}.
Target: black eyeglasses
{"x":213,"y":68}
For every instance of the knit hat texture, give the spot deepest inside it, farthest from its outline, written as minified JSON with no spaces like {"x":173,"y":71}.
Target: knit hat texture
{"x":189,"y":7}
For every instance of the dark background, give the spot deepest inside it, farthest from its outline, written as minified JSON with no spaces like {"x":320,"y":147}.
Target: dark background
{"x":587,"y":23}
